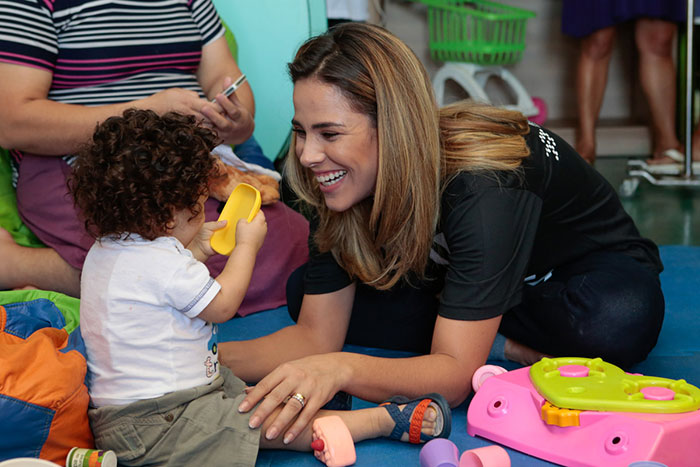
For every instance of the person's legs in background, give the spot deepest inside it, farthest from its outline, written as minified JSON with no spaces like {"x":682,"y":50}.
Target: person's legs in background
{"x":657,"y":73}
{"x":592,"y":77}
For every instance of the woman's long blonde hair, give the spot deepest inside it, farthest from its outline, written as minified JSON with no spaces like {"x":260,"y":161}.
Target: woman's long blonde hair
{"x":383,"y":238}
{"x":481,"y":137}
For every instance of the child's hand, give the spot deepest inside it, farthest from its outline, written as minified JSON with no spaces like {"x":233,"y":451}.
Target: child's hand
{"x":252,"y":233}
{"x":201,"y":244}
{"x":236,"y":276}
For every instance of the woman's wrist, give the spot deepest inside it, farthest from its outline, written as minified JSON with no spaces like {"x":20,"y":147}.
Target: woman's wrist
{"x":345,"y":370}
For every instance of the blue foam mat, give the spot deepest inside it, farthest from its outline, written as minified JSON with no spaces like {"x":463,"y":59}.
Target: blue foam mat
{"x":677,"y":355}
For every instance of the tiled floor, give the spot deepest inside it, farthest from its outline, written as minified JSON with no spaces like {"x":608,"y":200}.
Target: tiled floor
{"x":667,"y":215}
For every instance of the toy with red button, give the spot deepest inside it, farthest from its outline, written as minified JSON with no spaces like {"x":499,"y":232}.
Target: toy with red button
{"x":587,"y":412}
{"x":332,"y":442}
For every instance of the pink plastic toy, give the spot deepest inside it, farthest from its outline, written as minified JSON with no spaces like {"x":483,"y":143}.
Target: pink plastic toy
{"x":442,"y":452}
{"x":508,"y":409}
{"x":332,"y":442}
{"x":484,"y":372}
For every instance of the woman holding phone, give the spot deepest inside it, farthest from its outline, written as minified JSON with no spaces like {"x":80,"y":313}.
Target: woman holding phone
{"x":74,"y":68}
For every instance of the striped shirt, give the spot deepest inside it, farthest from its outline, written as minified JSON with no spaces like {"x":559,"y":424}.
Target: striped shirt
{"x":108,"y":51}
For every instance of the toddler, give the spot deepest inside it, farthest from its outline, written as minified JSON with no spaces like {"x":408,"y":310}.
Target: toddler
{"x":149,"y":306}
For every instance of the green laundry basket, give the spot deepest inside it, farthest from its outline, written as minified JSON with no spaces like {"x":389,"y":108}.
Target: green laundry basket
{"x":476,"y":31}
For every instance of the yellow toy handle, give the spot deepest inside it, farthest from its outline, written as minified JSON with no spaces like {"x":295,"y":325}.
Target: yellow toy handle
{"x":244,"y":203}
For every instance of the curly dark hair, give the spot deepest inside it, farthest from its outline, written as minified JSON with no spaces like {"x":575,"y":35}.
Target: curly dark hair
{"x":138,"y":169}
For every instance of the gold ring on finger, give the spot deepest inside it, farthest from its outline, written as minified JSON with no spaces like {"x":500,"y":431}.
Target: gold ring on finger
{"x":301,"y":399}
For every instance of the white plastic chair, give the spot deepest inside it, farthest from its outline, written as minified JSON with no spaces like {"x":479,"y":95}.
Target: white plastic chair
{"x":473,"y":78}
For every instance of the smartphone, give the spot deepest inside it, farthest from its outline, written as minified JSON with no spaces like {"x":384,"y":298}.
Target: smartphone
{"x":232,"y":88}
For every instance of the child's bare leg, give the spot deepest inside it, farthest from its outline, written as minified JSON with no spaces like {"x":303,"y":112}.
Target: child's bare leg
{"x":39,"y":267}
{"x":363,"y":424}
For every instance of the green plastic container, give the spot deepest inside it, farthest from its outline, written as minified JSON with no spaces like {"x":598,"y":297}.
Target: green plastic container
{"x":476,"y":31}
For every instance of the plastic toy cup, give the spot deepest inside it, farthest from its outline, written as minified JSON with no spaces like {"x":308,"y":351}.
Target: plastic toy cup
{"x":488,"y":456}
{"x":483,"y":373}
{"x":82,"y":457}
{"x":439,"y":452}
{"x":244,"y":203}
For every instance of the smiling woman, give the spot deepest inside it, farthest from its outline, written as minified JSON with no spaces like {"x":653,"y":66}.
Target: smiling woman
{"x":445,"y":232}
{"x":338,"y":144}
{"x":369,"y":93}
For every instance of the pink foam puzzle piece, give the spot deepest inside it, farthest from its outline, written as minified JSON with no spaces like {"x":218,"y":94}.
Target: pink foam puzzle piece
{"x":338,"y":446}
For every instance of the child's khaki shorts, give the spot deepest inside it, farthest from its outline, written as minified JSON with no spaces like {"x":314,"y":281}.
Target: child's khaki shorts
{"x":198,"y":426}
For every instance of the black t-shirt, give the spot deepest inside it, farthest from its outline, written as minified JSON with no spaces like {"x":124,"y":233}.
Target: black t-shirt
{"x":497,"y":229}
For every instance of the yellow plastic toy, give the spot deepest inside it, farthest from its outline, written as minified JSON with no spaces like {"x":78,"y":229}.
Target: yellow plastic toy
{"x":592,"y":384}
{"x":244,"y":203}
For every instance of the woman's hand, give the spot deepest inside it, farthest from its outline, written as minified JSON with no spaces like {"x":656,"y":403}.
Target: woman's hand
{"x":231,"y":120}
{"x":175,"y":100}
{"x":228,"y":116}
{"x":317,"y":378}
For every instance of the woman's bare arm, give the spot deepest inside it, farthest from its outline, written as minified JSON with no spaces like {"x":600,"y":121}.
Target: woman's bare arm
{"x":232,"y":117}
{"x":321,"y":329}
{"x":215,"y":66}
{"x":459,"y":348}
{"x":33,"y":123}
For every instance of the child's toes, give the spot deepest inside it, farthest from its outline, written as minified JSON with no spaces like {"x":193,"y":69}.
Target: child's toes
{"x":430,"y":414}
{"x":428,"y":428}
{"x":430,"y":419}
